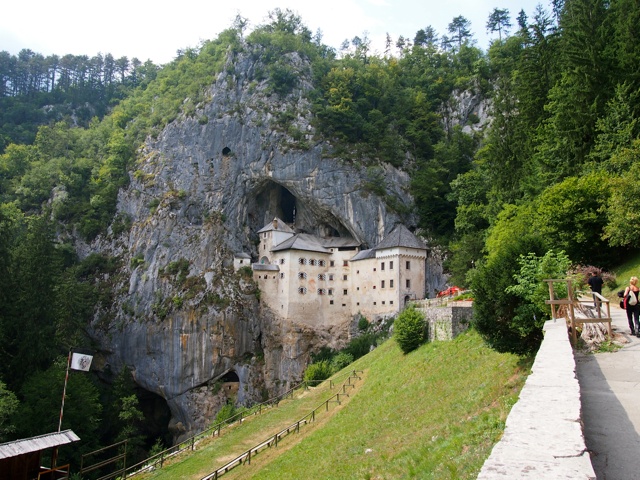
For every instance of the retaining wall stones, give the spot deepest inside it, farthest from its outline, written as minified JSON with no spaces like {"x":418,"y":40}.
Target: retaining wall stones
{"x":543,"y":436}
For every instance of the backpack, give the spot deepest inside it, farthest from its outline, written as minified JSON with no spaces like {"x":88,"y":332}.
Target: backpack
{"x":633,"y":298}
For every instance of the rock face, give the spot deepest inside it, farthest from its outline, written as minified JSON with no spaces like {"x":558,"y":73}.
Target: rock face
{"x":182,"y":318}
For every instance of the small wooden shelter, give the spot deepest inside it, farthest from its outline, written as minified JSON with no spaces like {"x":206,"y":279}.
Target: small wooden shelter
{"x":21,"y":459}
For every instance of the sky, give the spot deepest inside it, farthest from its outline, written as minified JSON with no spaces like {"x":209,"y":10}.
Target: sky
{"x":156,"y":30}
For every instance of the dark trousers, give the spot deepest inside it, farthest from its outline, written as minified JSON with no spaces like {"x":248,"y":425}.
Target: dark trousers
{"x":633,"y":312}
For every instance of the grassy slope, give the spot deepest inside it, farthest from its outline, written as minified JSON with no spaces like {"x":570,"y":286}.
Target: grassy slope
{"x":623,"y":273}
{"x":435,"y":413}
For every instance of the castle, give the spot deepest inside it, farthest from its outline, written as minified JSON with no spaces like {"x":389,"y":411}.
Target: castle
{"x":327,"y":281}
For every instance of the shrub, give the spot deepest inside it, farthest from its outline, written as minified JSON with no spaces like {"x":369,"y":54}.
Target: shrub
{"x":317,"y":372}
{"x":410,"y":329}
{"x":363,"y":323}
{"x":341,"y":360}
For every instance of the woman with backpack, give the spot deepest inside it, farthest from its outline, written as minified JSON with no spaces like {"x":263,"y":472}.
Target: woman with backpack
{"x":632,"y":305}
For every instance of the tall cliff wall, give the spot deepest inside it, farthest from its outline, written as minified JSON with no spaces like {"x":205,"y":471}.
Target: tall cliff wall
{"x":182,"y":318}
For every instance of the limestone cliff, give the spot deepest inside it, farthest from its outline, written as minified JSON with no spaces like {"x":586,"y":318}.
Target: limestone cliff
{"x":182,"y":318}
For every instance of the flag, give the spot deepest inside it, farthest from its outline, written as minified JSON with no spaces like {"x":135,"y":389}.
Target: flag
{"x":80,"y":361}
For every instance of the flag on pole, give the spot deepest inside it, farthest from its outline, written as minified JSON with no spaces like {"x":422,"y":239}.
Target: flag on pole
{"x":80,"y":361}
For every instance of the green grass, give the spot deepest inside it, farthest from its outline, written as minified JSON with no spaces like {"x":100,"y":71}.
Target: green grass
{"x":623,"y":273}
{"x":434,"y":413}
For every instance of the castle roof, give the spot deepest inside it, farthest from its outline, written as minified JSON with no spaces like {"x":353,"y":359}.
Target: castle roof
{"x":241,"y":255}
{"x":337,"y":242}
{"x":364,"y":254}
{"x":301,"y":241}
{"x":400,"y":236}
{"x":277,"y":225}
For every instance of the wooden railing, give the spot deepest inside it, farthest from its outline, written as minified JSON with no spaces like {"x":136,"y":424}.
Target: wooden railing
{"x":578,"y":300}
{"x":157,"y":460}
{"x":245,"y":457}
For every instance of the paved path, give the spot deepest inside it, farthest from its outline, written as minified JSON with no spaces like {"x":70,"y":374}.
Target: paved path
{"x":610,"y":392}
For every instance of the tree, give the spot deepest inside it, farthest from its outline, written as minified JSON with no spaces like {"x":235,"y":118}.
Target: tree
{"x":460,"y":29}
{"x":499,"y":21}
{"x":410,"y":329}
{"x":8,"y":405}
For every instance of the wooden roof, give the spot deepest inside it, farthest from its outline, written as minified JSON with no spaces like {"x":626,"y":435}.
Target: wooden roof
{"x":35,"y":444}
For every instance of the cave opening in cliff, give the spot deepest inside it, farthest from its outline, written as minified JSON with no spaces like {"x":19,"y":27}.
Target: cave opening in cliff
{"x":271,"y":199}
{"x":157,"y":416}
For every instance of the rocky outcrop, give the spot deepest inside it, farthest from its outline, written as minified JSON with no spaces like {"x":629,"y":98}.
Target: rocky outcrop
{"x":182,"y":318}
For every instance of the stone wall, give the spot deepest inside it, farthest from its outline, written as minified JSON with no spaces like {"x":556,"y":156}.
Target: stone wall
{"x":543,"y":433}
{"x":448,"y":321}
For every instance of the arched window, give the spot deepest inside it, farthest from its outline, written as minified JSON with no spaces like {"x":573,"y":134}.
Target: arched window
{"x":302,"y":290}
{"x":322,"y":277}
{"x":302,"y":275}
{"x":312,"y":262}
{"x":302,"y":261}
{"x":322,"y":263}
{"x":322,"y":291}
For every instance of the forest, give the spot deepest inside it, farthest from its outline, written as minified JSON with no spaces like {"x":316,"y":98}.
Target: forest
{"x":548,"y":185}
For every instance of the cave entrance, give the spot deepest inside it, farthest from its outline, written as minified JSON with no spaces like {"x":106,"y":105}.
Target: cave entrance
{"x":157,"y":416}
{"x":276,"y":201}
{"x":230,"y":384}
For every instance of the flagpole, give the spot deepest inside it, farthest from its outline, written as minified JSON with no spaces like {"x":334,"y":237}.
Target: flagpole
{"x":64,"y":391}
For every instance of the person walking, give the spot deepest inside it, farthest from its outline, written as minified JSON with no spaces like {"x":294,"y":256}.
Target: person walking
{"x":595,"y":282}
{"x":632,"y":306}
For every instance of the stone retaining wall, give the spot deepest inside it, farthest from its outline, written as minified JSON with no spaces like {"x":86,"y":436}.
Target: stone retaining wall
{"x":447,"y":322}
{"x":543,"y":435}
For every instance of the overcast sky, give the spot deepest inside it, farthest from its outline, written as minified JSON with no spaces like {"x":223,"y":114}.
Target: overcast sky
{"x":156,"y":30}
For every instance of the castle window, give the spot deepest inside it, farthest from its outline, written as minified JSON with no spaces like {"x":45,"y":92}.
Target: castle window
{"x":282,"y":261}
{"x":322,"y":263}
{"x":302,"y":275}
{"x":374,"y":287}
{"x":374,"y":303}
{"x":312,"y":262}
{"x":282,"y":275}
{"x":390,"y":283}
{"x":390,"y":265}
{"x":302,"y":290}
{"x":345,"y":263}
{"x":332,"y":263}
{"x":408,"y":283}
{"x":330,"y":291}
{"x":391,"y":302}
{"x":331,"y":277}
{"x":322,"y":291}
{"x":344,"y":277}
{"x":241,"y":262}
{"x":330,"y":302}
{"x":344,"y":292}
{"x":382,"y":284}
{"x":322,"y":277}
{"x":382,"y":266}
{"x":383,"y":302}
{"x":408,"y":265}
{"x":302,"y":261}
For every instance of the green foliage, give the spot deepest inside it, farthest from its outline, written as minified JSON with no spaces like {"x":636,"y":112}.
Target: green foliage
{"x":341,"y":360}
{"x":317,"y":372}
{"x":8,"y":405}
{"x":623,"y":211}
{"x":531,"y":288}
{"x":40,"y":412}
{"x":363,"y":323}
{"x":495,"y":307}
{"x":410,"y":329}
{"x":229,"y":413}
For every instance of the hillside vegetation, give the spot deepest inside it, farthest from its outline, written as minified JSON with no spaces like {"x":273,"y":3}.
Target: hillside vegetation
{"x":434,"y":413}
{"x":549,"y":184}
